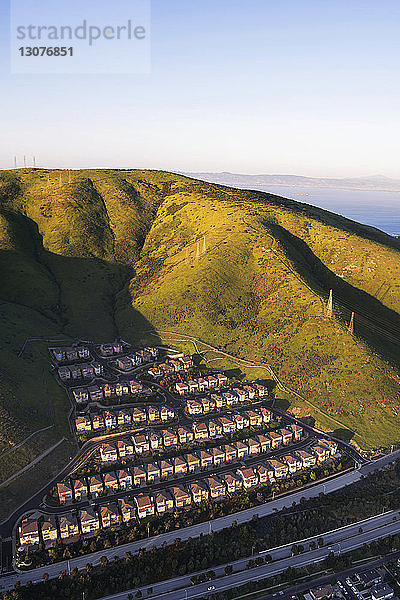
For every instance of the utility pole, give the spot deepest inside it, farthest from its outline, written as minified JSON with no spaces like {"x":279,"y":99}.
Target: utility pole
{"x":329,"y":306}
{"x":15,"y":162}
{"x":204,"y":245}
{"x":197,"y":252}
{"x":60,"y":182}
{"x":34,"y":161}
{"x":187,"y":256}
{"x":350,"y":328}
{"x":69,"y":177}
{"x":48,"y":180}
{"x":24,"y":161}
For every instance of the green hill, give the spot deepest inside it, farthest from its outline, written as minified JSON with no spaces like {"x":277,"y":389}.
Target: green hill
{"x":124,"y":252}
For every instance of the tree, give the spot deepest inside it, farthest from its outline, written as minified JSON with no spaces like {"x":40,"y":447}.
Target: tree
{"x":138,"y":594}
{"x":45,"y":576}
{"x":228,"y":569}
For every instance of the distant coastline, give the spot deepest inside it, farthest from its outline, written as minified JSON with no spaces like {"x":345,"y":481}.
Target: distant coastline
{"x":376,"y":183}
{"x":376,"y":207}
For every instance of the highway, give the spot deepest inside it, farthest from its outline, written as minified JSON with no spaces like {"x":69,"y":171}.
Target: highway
{"x":7,"y":581}
{"x":180,"y":588}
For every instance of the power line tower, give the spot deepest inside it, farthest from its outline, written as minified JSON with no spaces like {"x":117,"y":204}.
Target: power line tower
{"x":350,"y":328}
{"x":329,"y":306}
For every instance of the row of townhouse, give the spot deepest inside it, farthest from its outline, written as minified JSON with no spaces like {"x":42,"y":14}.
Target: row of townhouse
{"x":33,"y":530}
{"x":143,"y":443}
{"x":97,"y":393}
{"x":80,"y":371}
{"x":66,"y":528}
{"x":171,"y":366}
{"x":95,"y":485}
{"x":110,"y":419}
{"x":113,"y":349}
{"x":70,"y":353}
{"x":217,"y":487}
{"x":229,"y":397}
{"x":135,"y":359}
{"x":152,"y":472}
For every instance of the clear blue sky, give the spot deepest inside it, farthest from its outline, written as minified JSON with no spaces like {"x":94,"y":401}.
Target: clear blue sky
{"x":309,"y":87}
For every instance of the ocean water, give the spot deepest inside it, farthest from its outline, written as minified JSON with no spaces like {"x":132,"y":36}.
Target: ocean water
{"x":379,"y":209}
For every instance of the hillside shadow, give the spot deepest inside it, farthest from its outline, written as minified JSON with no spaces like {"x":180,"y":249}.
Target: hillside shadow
{"x":378,"y":325}
{"x":346,"y":435}
{"x":78,"y":295}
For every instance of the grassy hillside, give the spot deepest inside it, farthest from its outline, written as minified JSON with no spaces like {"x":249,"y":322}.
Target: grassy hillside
{"x":96,"y":254}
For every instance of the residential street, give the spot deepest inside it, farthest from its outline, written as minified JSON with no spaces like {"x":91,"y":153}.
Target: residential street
{"x":384,"y":522}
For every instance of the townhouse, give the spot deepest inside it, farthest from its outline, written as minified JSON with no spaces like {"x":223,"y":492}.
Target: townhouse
{"x":276,"y":438}
{"x":181,"y":388}
{"x":110,"y":482}
{"x":125,"y":479}
{"x":180,"y":465}
{"x":141,"y":443}
{"x":110,"y":420}
{"x":144,"y":506}
{"x":206,"y":459}
{"x":139,"y":476}
{"x":287,"y":436}
{"x":49,"y":531}
{"x":240,"y":393}
{"x":198,"y":491}
{"x":280,"y":469}
{"x":64,"y":492}
{"x":254,"y":446}
{"x":228,"y":425}
{"x":230,"y":398}
{"x":97,"y":421}
{"x":266,"y":414}
{"x":331,"y":446}
{"x":249,"y":477}
{"x":28,"y":532}
{"x":230,"y":453}
{"x":242,"y":449}
{"x":193,"y":462}
{"x":218,"y":456}
{"x":153,"y":414}
{"x":255,"y":418}
{"x":307,"y":459}
{"x":153,"y":472}
{"x":219,"y":400}
{"x":83,"y":423}
{"x":80,"y":394}
{"x":108,"y":453}
{"x":170,"y":438}
{"x":109,"y":515}
{"x":321,"y":452}
{"x":127,"y":509}
{"x":265,"y":474}
{"x":185,"y":435}
{"x":181,"y":496}
{"x":200,"y":431}
{"x":216,"y":487}
{"x":166,"y":469}
{"x":163,"y":501}
{"x":155,"y":440}
{"x":69,"y":530}
{"x":89,"y":520}
{"x":293,"y":462}
{"x":139,"y":415}
{"x":95,"y":484}
{"x":194,"y":407}
{"x":95,"y":393}
{"x":232,"y":482}
{"x":297,"y":431}
{"x":69,"y":353}
{"x":80,"y":489}
{"x":264,"y":441}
